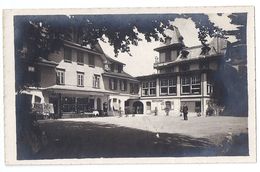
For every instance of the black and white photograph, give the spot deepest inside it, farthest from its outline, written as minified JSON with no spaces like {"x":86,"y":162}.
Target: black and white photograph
{"x":116,"y":84}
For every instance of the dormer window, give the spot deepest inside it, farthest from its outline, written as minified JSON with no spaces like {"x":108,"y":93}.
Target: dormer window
{"x":168,"y":56}
{"x":184,"y":54}
{"x":168,"y":40}
{"x":112,"y":67}
{"x":120,"y":68}
{"x":205,"y":50}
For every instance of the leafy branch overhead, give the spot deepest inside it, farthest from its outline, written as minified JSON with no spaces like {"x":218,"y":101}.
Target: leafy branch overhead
{"x":44,"y":34}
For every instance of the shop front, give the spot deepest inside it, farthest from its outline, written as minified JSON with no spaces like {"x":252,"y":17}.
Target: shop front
{"x":70,"y":103}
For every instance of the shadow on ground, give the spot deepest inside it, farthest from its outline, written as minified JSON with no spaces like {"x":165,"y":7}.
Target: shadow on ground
{"x":69,"y":139}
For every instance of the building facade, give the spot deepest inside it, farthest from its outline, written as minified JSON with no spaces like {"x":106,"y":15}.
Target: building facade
{"x":185,"y":75}
{"x":79,"y":80}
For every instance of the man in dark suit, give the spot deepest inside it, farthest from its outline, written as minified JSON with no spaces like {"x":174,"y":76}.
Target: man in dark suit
{"x":185,"y":111}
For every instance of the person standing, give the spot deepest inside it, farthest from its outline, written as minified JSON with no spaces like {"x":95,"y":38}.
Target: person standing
{"x":185,"y":111}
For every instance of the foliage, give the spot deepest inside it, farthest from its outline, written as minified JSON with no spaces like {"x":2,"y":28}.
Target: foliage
{"x":37,"y":36}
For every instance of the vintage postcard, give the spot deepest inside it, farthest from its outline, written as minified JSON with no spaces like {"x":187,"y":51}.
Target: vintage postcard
{"x":129,"y":86}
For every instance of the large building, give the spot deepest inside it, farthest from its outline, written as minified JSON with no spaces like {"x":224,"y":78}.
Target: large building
{"x":184,"y":76}
{"x":79,"y":80}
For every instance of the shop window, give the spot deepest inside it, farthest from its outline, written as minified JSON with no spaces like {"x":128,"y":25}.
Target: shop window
{"x":82,"y":105}
{"x":68,"y":104}
{"x":60,"y":76}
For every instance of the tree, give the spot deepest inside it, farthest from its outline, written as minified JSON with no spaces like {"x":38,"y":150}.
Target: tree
{"x":37,"y":36}
{"x":231,"y":80}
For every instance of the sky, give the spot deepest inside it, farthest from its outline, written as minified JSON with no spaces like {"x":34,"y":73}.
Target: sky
{"x":143,"y":55}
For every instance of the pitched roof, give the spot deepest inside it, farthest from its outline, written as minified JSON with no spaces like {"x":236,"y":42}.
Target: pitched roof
{"x":110,"y":59}
{"x":45,"y":62}
{"x":122,"y":75}
{"x":217,"y":47}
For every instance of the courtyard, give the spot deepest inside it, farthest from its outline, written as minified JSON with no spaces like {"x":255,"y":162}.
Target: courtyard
{"x":144,"y":136}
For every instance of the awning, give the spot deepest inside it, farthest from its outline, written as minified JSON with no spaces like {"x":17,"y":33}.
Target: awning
{"x":74,"y":90}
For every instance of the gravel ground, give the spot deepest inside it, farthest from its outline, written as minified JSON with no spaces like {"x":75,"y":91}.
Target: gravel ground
{"x":143,"y":136}
{"x":194,"y":127}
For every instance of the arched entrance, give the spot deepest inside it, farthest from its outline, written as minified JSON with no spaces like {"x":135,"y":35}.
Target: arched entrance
{"x":138,"y":107}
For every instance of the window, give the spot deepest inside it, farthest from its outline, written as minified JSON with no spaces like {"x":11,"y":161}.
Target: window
{"x":96,"y":81}
{"x":198,"y":106}
{"x":37,"y":99}
{"x":205,"y":50}
{"x":112,"y":67}
{"x":184,"y":68}
{"x":185,"y":83}
{"x":80,"y":57}
{"x":134,"y":88}
{"x":195,"y":84}
{"x":60,"y":77}
{"x":191,"y":84}
{"x":120,"y":68}
{"x":67,"y":54}
{"x":168,"y":86}
{"x":168,"y":40}
{"x":168,"y":56}
{"x":91,"y":60}
{"x":113,"y":84}
{"x":68,"y":104}
{"x":80,"y":79}
{"x":31,"y":69}
{"x":204,"y":65}
{"x":168,"y":105}
{"x":184,"y":54}
{"x":123,"y":85}
{"x":149,"y":88}
{"x":169,"y":69}
{"x":209,"y":85}
{"x":148,"y":106}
